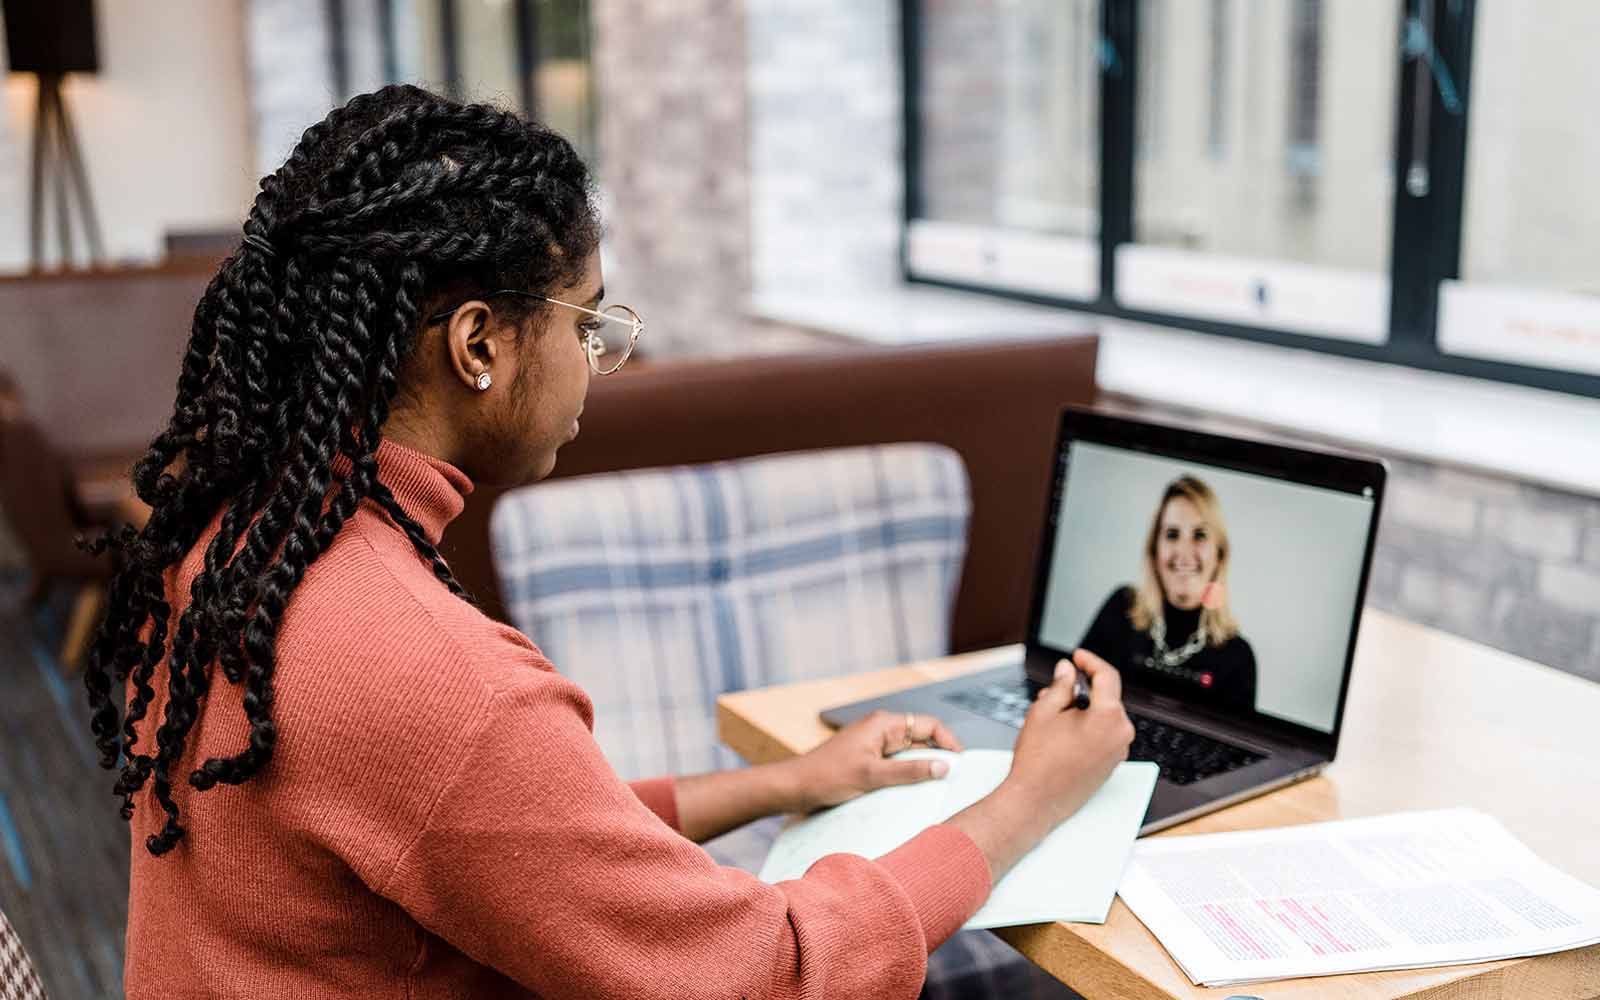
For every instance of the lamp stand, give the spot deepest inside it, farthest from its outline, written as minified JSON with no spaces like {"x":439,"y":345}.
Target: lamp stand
{"x":58,"y":162}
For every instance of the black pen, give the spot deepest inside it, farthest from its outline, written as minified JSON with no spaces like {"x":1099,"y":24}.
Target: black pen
{"x":1080,"y":689}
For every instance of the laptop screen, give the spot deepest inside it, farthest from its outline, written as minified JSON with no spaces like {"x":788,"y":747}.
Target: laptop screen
{"x":1229,"y":589}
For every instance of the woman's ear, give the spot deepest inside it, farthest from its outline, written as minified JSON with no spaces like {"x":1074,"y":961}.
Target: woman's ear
{"x":471,"y":346}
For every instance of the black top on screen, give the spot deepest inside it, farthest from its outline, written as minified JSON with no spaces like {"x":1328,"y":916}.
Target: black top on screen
{"x":1217,"y":674}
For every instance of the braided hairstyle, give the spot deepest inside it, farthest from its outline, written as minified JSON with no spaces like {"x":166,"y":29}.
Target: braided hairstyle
{"x":392,"y":202}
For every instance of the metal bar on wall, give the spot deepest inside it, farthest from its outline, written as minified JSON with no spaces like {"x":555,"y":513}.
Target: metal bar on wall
{"x":36,"y":195}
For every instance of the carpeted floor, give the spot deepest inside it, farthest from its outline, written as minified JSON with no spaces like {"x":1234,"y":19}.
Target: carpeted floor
{"x":63,"y":849}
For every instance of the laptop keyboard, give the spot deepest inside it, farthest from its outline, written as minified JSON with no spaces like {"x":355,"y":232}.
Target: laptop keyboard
{"x":1184,"y":756}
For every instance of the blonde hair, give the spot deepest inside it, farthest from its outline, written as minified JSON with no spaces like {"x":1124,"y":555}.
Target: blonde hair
{"x":1219,"y":623}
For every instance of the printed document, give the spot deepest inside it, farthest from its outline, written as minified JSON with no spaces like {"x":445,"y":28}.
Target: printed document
{"x":1071,"y":875}
{"x":1410,"y":890}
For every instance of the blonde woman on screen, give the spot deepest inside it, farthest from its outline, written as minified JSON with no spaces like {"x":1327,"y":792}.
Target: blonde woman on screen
{"x":1175,"y":630}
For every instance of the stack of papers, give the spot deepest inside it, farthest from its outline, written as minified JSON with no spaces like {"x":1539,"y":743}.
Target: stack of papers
{"x":1410,"y":890}
{"x":1071,"y":875}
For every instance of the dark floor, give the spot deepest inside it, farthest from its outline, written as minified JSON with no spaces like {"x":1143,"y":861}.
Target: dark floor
{"x":63,"y":849}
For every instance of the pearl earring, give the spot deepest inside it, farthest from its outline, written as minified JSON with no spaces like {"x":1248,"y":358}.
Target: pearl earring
{"x":485,"y":380}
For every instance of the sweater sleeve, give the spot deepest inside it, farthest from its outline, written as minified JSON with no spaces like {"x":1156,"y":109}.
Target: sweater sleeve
{"x":660,"y":796}
{"x":537,"y":860}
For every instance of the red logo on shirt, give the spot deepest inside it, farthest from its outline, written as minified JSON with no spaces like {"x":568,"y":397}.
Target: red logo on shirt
{"x":1205,"y":680}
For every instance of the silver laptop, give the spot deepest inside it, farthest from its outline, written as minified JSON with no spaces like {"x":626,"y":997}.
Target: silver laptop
{"x":1224,"y":578}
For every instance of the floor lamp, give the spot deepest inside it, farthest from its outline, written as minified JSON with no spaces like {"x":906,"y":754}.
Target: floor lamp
{"x":51,"y":40}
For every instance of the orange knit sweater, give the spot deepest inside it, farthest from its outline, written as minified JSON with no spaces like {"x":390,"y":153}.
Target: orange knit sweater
{"x":437,"y":821}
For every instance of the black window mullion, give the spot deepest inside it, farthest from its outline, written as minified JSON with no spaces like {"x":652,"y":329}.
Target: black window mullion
{"x":338,"y":50}
{"x":527,"y":27}
{"x":1119,"y":25}
{"x":1426,"y":243}
{"x":1448,"y":150}
{"x":450,"y":41}
{"x":910,"y":122}
{"x":388,"y":42}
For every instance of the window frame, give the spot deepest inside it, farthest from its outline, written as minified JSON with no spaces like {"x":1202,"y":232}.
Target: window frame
{"x":525,"y":17}
{"x":1426,"y":229}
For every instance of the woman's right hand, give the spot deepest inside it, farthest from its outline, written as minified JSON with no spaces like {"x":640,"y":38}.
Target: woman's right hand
{"x":1062,"y":757}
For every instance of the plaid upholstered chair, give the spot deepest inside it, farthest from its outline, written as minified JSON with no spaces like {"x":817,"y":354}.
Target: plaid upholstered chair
{"x":18,"y":981}
{"x":659,"y":590}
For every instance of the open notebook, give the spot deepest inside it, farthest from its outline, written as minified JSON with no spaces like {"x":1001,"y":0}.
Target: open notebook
{"x":1071,"y":875}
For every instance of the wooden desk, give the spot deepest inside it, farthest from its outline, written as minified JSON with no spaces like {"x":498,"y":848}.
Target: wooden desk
{"x":1432,"y":721}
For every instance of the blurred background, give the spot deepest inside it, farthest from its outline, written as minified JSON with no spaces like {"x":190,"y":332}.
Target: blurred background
{"x":1370,"y":223}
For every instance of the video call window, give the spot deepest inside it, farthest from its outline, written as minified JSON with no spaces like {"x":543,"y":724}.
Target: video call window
{"x":1225,"y":588}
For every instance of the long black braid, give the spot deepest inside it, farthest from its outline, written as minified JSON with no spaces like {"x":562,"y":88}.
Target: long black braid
{"x":399,"y":199}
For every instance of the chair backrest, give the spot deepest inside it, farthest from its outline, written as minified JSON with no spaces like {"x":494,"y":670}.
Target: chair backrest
{"x":18,"y":980}
{"x":997,"y":403}
{"x":659,"y":590}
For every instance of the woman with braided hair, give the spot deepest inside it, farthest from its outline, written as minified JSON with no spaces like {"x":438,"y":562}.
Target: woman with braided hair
{"x":343,"y":780}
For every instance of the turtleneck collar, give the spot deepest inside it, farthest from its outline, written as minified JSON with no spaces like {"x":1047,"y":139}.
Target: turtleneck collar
{"x":1179,"y":620}
{"x":433,"y":492}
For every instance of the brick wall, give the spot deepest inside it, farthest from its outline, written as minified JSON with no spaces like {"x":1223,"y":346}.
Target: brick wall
{"x":673,"y":143}
{"x":1513,"y":565}
{"x":825,"y":145}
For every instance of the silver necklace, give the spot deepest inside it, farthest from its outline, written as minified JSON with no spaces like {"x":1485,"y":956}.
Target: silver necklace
{"x":1165,"y":657}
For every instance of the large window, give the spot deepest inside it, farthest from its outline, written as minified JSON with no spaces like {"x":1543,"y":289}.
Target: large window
{"x":1010,"y":147}
{"x":1400,"y":180}
{"x":1261,"y":196}
{"x":1529,"y":285}
{"x":532,"y":55}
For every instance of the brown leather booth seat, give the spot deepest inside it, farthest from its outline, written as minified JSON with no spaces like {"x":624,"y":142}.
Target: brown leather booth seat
{"x":96,"y":353}
{"x":994,"y":403}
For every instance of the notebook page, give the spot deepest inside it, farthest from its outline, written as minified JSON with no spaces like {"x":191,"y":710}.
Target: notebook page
{"x":1071,"y":875}
{"x":870,"y":825}
{"x":1074,"y":872}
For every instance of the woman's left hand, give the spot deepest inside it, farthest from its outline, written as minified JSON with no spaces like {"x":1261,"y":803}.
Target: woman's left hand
{"x":856,"y":758}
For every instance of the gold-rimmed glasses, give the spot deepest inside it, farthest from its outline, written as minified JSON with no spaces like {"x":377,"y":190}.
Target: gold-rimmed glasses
{"x":594,"y":345}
